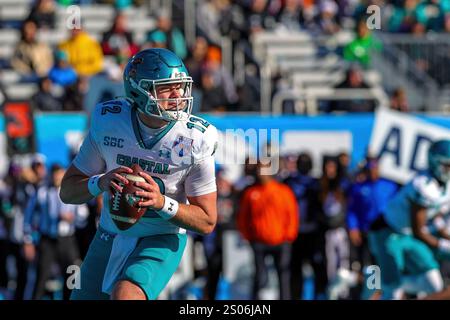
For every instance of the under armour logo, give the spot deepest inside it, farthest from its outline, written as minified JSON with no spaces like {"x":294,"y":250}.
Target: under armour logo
{"x":104,"y":236}
{"x":171,"y":206}
{"x":164,"y":153}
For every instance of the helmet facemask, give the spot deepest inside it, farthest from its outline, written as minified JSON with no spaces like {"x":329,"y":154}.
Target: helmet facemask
{"x":154,"y":107}
{"x":442,"y":168}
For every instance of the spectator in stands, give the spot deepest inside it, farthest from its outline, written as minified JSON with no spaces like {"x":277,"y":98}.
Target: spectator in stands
{"x":250,"y":91}
{"x":158,"y":40}
{"x":219,"y":91}
{"x":447,"y":23}
{"x":55,"y":222}
{"x":309,"y":246}
{"x":290,"y":15}
{"x":353,"y":80}
{"x":232,"y":22}
{"x":213,"y":97}
{"x":196,"y":59}
{"x":418,"y":29}
{"x":4,"y":252}
{"x":17,"y":190}
{"x":360,"y":49}
{"x":310,"y":10}
{"x":399,"y":100}
{"x":73,"y":99}
{"x":268,"y":219}
{"x":62,"y":73}
{"x":248,"y":177}
{"x":209,"y":16}
{"x":328,"y":17}
{"x":32,"y":59}
{"x":334,"y":208}
{"x":114,"y":67}
{"x":43,"y":13}
{"x":3,"y":95}
{"x":366,"y":202}
{"x":33,"y":177}
{"x":288,"y":166}
{"x":44,"y":99}
{"x":226,"y":208}
{"x":173,"y":37}
{"x":402,"y":17}
{"x":85,"y":53}
{"x":344,"y":170}
{"x":259,"y":18}
{"x":430,"y":14}
{"x":118,"y":39}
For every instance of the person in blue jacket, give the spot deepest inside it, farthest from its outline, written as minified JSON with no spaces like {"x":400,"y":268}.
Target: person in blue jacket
{"x":366,"y":201}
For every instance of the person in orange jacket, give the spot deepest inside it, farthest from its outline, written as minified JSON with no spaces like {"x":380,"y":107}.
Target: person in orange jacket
{"x":268,"y":219}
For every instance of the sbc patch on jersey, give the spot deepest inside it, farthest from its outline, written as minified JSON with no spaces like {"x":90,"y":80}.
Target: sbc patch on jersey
{"x":182,"y":146}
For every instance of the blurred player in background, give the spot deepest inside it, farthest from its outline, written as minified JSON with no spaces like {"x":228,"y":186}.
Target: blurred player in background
{"x":56,"y":227}
{"x":404,"y":248}
{"x":153,"y":127}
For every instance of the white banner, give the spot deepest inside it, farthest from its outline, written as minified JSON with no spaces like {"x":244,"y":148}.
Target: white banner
{"x":317,"y":144}
{"x":401,"y":141}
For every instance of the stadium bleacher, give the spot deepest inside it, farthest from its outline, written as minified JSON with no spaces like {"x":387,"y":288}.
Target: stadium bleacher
{"x":96,"y":19}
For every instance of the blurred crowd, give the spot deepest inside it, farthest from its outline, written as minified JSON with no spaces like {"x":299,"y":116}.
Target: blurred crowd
{"x":63,"y":71}
{"x":300,"y":218}
{"x":40,"y":236}
{"x":293,"y":216}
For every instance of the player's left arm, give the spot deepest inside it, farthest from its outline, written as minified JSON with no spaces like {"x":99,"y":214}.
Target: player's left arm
{"x":424,"y":199}
{"x":419,"y":225}
{"x":441,"y":226}
{"x":200,"y":215}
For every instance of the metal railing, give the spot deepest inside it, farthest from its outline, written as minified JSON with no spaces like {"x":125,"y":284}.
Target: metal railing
{"x":306,"y":100}
{"x":190,"y":20}
{"x":411,"y":58}
{"x":430,"y":53}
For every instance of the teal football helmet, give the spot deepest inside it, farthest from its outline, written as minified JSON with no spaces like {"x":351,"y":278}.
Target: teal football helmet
{"x":150,"y":68}
{"x":439,"y":160}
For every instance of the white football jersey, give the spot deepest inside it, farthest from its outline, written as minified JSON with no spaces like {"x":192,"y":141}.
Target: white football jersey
{"x":423,"y":190}
{"x":178,"y":156}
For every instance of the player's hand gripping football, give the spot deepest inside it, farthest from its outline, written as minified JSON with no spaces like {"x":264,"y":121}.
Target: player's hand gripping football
{"x":151,"y":194}
{"x":111,"y":180}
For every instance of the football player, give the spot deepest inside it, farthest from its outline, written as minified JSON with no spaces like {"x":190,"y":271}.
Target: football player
{"x":154,"y":128}
{"x":441,"y":295}
{"x":403,"y":246}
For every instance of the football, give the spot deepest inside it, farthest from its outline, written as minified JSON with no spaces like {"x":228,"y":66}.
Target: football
{"x":123,"y":205}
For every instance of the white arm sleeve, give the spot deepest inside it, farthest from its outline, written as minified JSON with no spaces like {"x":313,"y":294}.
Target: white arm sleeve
{"x":201,"y":179}
{"x":89,"y":160}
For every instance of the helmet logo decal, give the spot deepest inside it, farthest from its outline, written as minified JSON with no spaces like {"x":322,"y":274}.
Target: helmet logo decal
{"x":132,"y":72}
{"x":177,"y":75}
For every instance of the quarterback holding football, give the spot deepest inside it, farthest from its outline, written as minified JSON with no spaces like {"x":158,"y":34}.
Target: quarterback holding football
{"x":147,"y":156}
